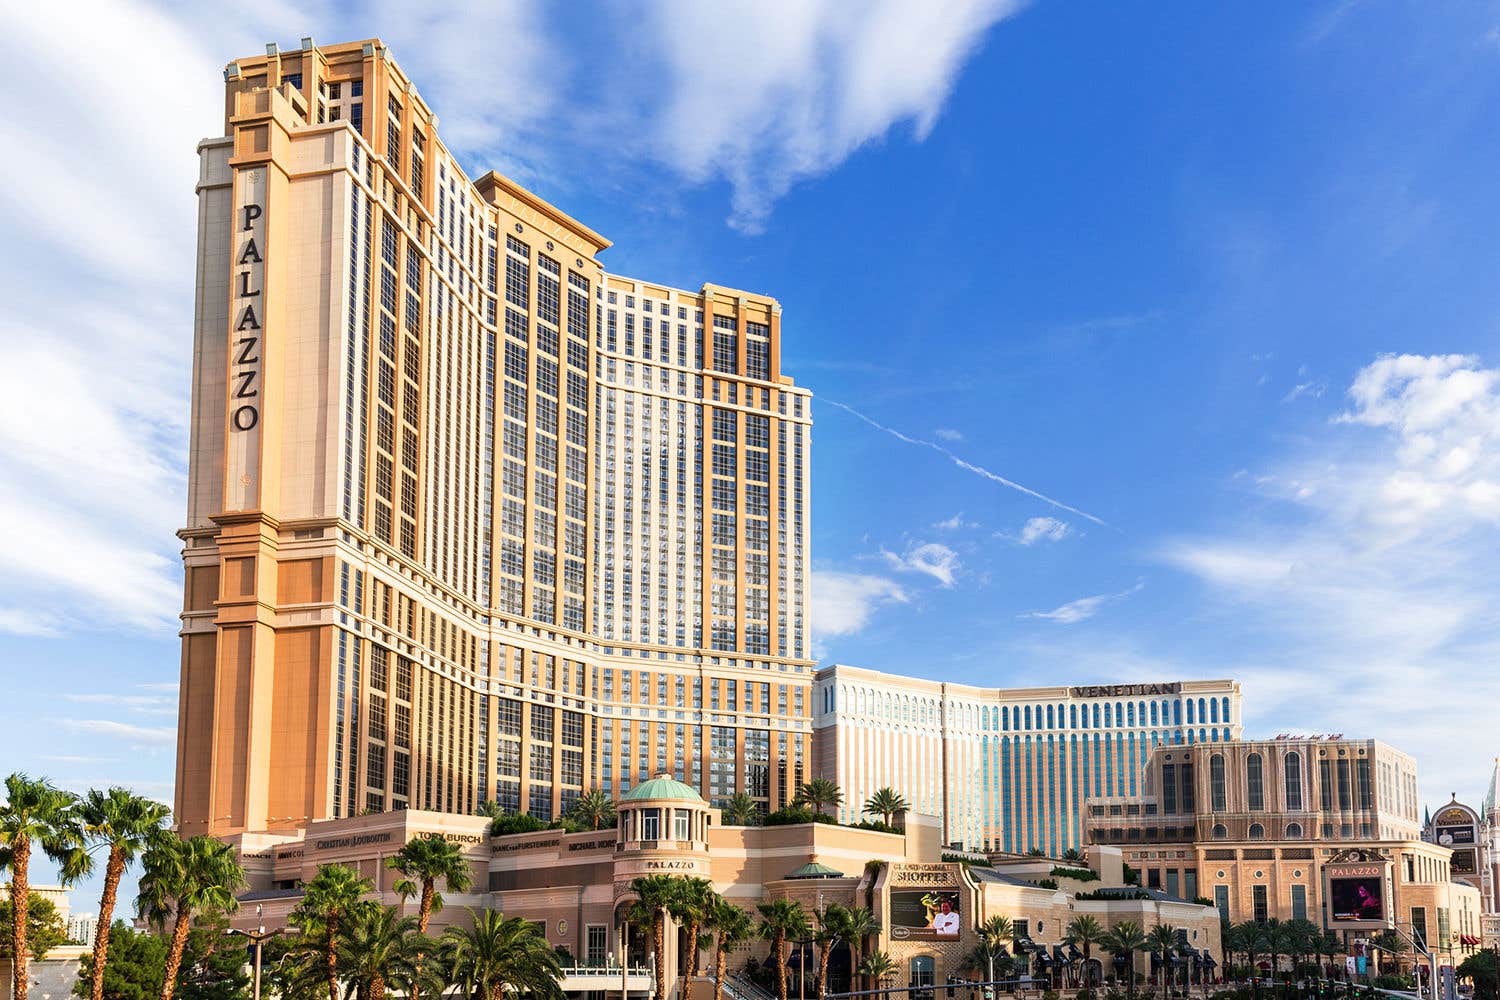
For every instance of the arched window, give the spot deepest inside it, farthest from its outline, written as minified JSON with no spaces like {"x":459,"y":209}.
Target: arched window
{"x":1130,"y":715}
{"x":1294,"y":831}
{"x":1255,"y":781}
{"x":1257,"y":832}
{"x":1096,"y":715}
{"x":1202,"y":711}
{"x":1294,"y":782}
{"x":1190,"y":711}
{"x":1177,"y":712}
{"x":1049,"y":717}
{"x":1216,"y":792}
{"x":1221,"y":832}
{"x":1213,"y":710}
{"x":1224,"y":703}
{"x":1028,"y":726}
{"x":1072,"y":716}
{"x":1153,"y":713}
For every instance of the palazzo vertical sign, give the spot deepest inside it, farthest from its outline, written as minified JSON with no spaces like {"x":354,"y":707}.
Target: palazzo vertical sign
{"x":245,"y":395}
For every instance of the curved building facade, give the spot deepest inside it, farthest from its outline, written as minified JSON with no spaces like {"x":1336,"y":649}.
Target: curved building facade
{"x":1007,"y":770}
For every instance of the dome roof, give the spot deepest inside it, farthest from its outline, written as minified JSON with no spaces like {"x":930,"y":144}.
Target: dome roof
{"x":662,"y":787}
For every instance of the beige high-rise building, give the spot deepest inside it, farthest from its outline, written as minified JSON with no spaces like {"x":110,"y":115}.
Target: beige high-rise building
{"x":469,"y":518}
{"x":1006,"y":769}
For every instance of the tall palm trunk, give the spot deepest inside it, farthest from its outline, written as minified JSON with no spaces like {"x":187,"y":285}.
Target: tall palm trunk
{"x":175,"y":948}
{"x":112,"y":872}
{"x":424,"y":914}
{"x":377,"y":988}
{"x":659,"y":931}
{"x":20,"y":901}
{"x":331,"y":959}
{"x":778,"y":944}
{"x":719,"y":963}
{"x":823,"y":970}
{"x":692,"y":959}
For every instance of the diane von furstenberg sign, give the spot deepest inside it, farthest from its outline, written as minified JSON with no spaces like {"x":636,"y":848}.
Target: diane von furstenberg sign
{"x":247,"y":322}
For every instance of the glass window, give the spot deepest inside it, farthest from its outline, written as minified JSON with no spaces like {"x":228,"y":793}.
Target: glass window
{"x":1255,"y":781}
{"x":1221,"y":900}
{"x":1258,"y":894}
{"x":682,"y":824}
{"x":1217,"y":794}
{"x":1299,"y":902}
{"x":651,"y":824}
{"x":1294,"y":782}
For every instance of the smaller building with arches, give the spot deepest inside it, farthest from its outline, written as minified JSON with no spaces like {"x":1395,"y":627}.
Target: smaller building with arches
{"x":1252,"y":826}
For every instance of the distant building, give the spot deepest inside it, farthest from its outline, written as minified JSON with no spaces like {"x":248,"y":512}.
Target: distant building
{"x":1323,"y":829}
{"x":81,"y":927}
{"x":1007,"y":770}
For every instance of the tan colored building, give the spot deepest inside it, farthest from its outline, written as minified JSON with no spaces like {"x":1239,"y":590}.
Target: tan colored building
{"x":469,"y":518}
{"x":1263,"y":828}
{"x":577,"y":886}
{"x":1007,"y":770}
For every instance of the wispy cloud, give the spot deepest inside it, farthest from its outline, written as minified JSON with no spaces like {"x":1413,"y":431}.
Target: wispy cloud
{"x":1043,"y":529}
{"x":1082,"y":609}
{"x":931,"y":558}
{"x":122,"y":730}
{"x":1371,"y":557}
{"x":149,"y":704}
{"x":962,"y":463}
{"x":954,"y":523}
{"x":843,"y":603}
{"x":28,"y":622}
{"x":948,"y":434}
{"x":818,"y":89}
{"x":1312,"y":390}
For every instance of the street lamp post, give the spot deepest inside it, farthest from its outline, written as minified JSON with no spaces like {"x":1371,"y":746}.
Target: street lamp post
{"x":258,"y":938}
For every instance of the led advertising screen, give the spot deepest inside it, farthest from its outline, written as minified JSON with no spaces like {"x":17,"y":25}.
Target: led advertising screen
{"x":924,"y":914}
{"x":1357,"y":899}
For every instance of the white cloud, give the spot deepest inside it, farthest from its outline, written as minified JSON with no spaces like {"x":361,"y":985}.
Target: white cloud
{"x":954,"y":523}
{"x":842,"y":603}
{"x":819,"y":87}
{"x":32,"y":622}
{"x":1367,"y":571}
{"x":932,"y":558}
{"x":1043,"y":529}
{"x":948,"y":434}
{"x":1082,"y":609}
{"x":148,"y":704}
{"x":1312,"y":390}
{"x":122,"y":730}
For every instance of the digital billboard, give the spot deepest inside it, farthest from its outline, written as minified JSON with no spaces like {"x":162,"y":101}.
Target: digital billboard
{"x":924,"y":914}
{"x":1356,"y":898}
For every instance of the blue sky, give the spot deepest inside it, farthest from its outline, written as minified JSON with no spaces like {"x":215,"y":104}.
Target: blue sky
{"x":1218,"y":284}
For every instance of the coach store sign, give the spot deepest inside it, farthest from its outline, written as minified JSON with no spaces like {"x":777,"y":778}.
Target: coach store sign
{"x":244,"y":396}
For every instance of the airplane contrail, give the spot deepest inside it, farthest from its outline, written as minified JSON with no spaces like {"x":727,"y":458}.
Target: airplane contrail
{"x":967,"y":466}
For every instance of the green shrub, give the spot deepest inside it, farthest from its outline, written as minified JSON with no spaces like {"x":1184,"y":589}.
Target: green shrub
{"x":1080,"y":874}
{"x":515,"y":823}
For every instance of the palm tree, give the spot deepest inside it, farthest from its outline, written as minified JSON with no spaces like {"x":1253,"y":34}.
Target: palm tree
{"x":422,"y":861}
{"x":1252,"y":942}
{"x":875,"y":967}
{"x":730,"y":926}
{"x":861,"y":924}
{"x":1086,"y":931}
{"x":1277,"y":938}
{"x":181,"y":879}
{"x":1126,"y":938}
{"x":1162,"y":939}
{"x":656,"y":894}
{"x":1326,"y":943}
{"x":740,"y":810}
{"x":124,"y":823}
{"x":690,"y":904}
{"x":36,"y":811}
{"x":329,"y":899}
{"x":833,"y":927}
{"x":1073,"y":855}
{"x":781,"y":919}
{"x":886,"y":803}
{"x":502,"y":955}
{"x":593,"y":809}
{"x":817,"y":794}
{"x":994,"y":934}
{"x":379,"y":950}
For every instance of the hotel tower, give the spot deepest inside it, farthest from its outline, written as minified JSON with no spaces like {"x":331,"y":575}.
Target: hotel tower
{"x":469,"y":518}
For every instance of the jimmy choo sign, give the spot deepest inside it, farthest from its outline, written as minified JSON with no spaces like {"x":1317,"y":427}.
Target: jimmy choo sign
{"x":244,"y":394}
